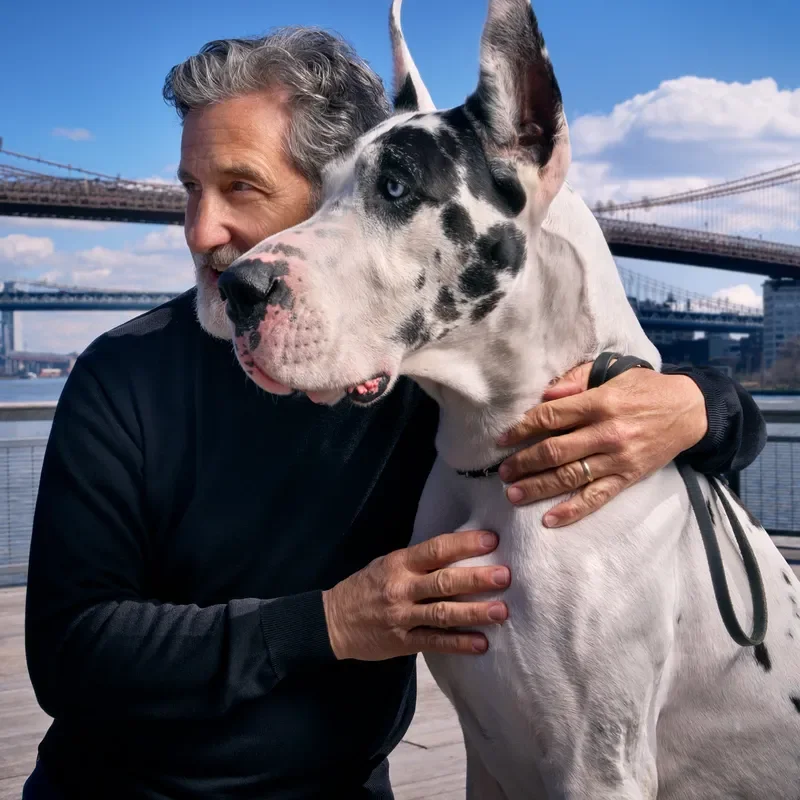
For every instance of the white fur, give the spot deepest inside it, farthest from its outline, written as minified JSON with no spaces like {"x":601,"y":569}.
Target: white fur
{"x":614,"y":676}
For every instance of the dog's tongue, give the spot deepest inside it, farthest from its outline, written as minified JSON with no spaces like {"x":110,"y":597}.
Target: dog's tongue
{"x":369,"y":390}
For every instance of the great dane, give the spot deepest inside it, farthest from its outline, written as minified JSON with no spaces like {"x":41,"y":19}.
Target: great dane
{"x":449,"y":248}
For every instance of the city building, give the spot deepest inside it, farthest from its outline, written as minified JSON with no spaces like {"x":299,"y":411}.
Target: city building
{"x":781,"y":316}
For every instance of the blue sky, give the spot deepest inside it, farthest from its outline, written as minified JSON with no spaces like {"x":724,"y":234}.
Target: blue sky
{"x":99,"y":68}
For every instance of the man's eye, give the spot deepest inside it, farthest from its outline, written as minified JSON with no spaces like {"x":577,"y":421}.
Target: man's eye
{"x":241,"y":186}
{"x":190,"y":187}
{"x":393,"y":189}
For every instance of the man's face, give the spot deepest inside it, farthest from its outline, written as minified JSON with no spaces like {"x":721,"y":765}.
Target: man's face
{"x":241,"y":188}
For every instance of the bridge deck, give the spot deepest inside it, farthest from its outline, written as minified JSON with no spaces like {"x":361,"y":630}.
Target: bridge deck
{"x":428,"y":763}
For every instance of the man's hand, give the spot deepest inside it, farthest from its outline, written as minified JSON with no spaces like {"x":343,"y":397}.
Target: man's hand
{"x":385,"y":609}
{"x":625,"y":430}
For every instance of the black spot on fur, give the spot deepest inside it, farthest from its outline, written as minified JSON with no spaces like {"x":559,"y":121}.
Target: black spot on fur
{"x":457,"y":224}
{"x":678,"y":620}
{"x":710,"y":509}
{"x":762,"y":657}
{"x":413,"y":157}
{"x":787,"y":578}
{"x":486,"y":306}
{"x":503,"y":248}
{"x":448,"y":143}
{"x":437,"y":256}
{"x":796,"y":703}
{"x":445,"y":307}
{"x":494,"y":181}
{"x":478,"y":279}
{"x":288,"y":250}
{"x":254,"y":340}
{"x":406,"y":99}
{"x":414,"y":331}
{"x":420,"y":280}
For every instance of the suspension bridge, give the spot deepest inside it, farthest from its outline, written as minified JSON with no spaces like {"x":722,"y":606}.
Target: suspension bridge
{"x":658,"y":305}
{"x":746,"y":225}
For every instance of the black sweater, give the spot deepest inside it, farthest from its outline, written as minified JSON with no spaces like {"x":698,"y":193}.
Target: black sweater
{"x":186,"y":525}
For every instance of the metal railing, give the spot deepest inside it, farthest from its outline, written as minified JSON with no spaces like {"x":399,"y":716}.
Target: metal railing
{"x":770,"y":487}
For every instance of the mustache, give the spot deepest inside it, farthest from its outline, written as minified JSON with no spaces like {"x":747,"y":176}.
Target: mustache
{"x":220,"y":258}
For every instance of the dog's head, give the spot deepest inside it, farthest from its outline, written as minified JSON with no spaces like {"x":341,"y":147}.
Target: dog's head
{"x":423,"y":228}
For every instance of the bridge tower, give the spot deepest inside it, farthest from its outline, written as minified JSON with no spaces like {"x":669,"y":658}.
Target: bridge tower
{"x":10,"y":332}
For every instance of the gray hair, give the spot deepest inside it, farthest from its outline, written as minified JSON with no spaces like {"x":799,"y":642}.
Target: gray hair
{"x":334,"y":97}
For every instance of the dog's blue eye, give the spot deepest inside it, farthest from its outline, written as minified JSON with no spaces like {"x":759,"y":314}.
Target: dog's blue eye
{"x":394,"y":189}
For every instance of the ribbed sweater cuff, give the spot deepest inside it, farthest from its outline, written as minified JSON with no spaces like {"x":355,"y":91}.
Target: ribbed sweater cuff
{"x":295,"y":632}
{"x":722,"y":438}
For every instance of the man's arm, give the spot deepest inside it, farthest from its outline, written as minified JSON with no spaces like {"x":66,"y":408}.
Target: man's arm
{"x":100,"y":645}
{"x":625,"y":430}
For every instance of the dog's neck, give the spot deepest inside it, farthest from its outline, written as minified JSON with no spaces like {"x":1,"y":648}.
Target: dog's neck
{"x":567,"y":307}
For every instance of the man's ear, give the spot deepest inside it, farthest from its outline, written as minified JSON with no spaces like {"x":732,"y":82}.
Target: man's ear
{"x":410,"y":93}
{"x":518,"y":102}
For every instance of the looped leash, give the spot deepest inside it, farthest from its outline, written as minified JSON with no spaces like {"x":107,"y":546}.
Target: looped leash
{"x":602,"y":371}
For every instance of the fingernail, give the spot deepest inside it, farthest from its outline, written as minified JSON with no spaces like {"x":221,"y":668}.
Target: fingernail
{"x":515,"y":494}
{"x":479,"y":645}
{"x":497,"y":612}
{"x":550,"y":520}
{"x":504,"y":472}
{"x":488,"y":539}
{"x":501,"y":576}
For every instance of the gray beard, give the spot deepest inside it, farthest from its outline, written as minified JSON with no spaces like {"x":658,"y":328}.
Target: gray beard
{"x":209,"y":306}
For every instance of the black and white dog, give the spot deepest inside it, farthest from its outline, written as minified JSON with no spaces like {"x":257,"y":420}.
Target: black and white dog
{"x":449,"y":248}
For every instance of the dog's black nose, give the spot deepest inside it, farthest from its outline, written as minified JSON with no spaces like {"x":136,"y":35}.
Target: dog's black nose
{"x":252,"y":285}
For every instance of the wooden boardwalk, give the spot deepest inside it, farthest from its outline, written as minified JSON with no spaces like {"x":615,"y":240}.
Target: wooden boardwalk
{"x":428,"y":763}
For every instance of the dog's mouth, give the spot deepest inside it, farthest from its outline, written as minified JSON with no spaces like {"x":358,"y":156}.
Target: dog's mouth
{"x":361,"y":394}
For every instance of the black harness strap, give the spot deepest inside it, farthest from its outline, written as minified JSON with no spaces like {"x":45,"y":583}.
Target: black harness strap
{"x":600,"y":373}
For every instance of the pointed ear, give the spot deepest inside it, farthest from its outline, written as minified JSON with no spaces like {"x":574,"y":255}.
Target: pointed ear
{"x":410,"y":93}
{"x":518,"y":102}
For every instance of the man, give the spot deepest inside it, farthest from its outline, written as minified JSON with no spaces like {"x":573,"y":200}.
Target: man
{"x":189,"y":525}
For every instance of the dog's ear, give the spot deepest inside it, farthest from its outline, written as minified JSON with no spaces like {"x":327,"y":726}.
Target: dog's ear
{"x":518,"y":102}
{"x":410,"y":93}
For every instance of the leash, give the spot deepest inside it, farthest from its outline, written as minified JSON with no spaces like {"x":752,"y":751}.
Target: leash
{"x":600,"y":373}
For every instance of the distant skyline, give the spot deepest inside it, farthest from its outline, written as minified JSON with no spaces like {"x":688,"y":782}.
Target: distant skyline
{"x":659,"y":96}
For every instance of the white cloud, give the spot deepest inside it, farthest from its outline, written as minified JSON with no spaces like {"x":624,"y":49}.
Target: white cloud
{"x":687,"y":134}
{"x":25,"y":250}
{"x":692,"y":109}
{"x":75,"y":134}
{"x":742,"y":294}
{"x":170,"y":237}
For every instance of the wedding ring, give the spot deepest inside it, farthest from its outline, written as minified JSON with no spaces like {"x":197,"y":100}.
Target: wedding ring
{"x":586,"y":471}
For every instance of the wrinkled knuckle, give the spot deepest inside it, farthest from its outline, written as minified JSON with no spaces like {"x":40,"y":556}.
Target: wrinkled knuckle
{"x":438,"y":641}
{"x":597,"y":495}
{"x":393,"y":593}
{"x":396,"y":618}
{"x":571,"y":475}
{"x":443,"y":582}
{"x":551,"y":451}
{"x":439,"y":615}
{"x":548,"y":417}
{"x":437,"y":549}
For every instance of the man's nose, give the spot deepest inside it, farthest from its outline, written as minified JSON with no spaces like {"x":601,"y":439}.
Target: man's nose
{"x":248,"y":288}
{"x":205,"y":226}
